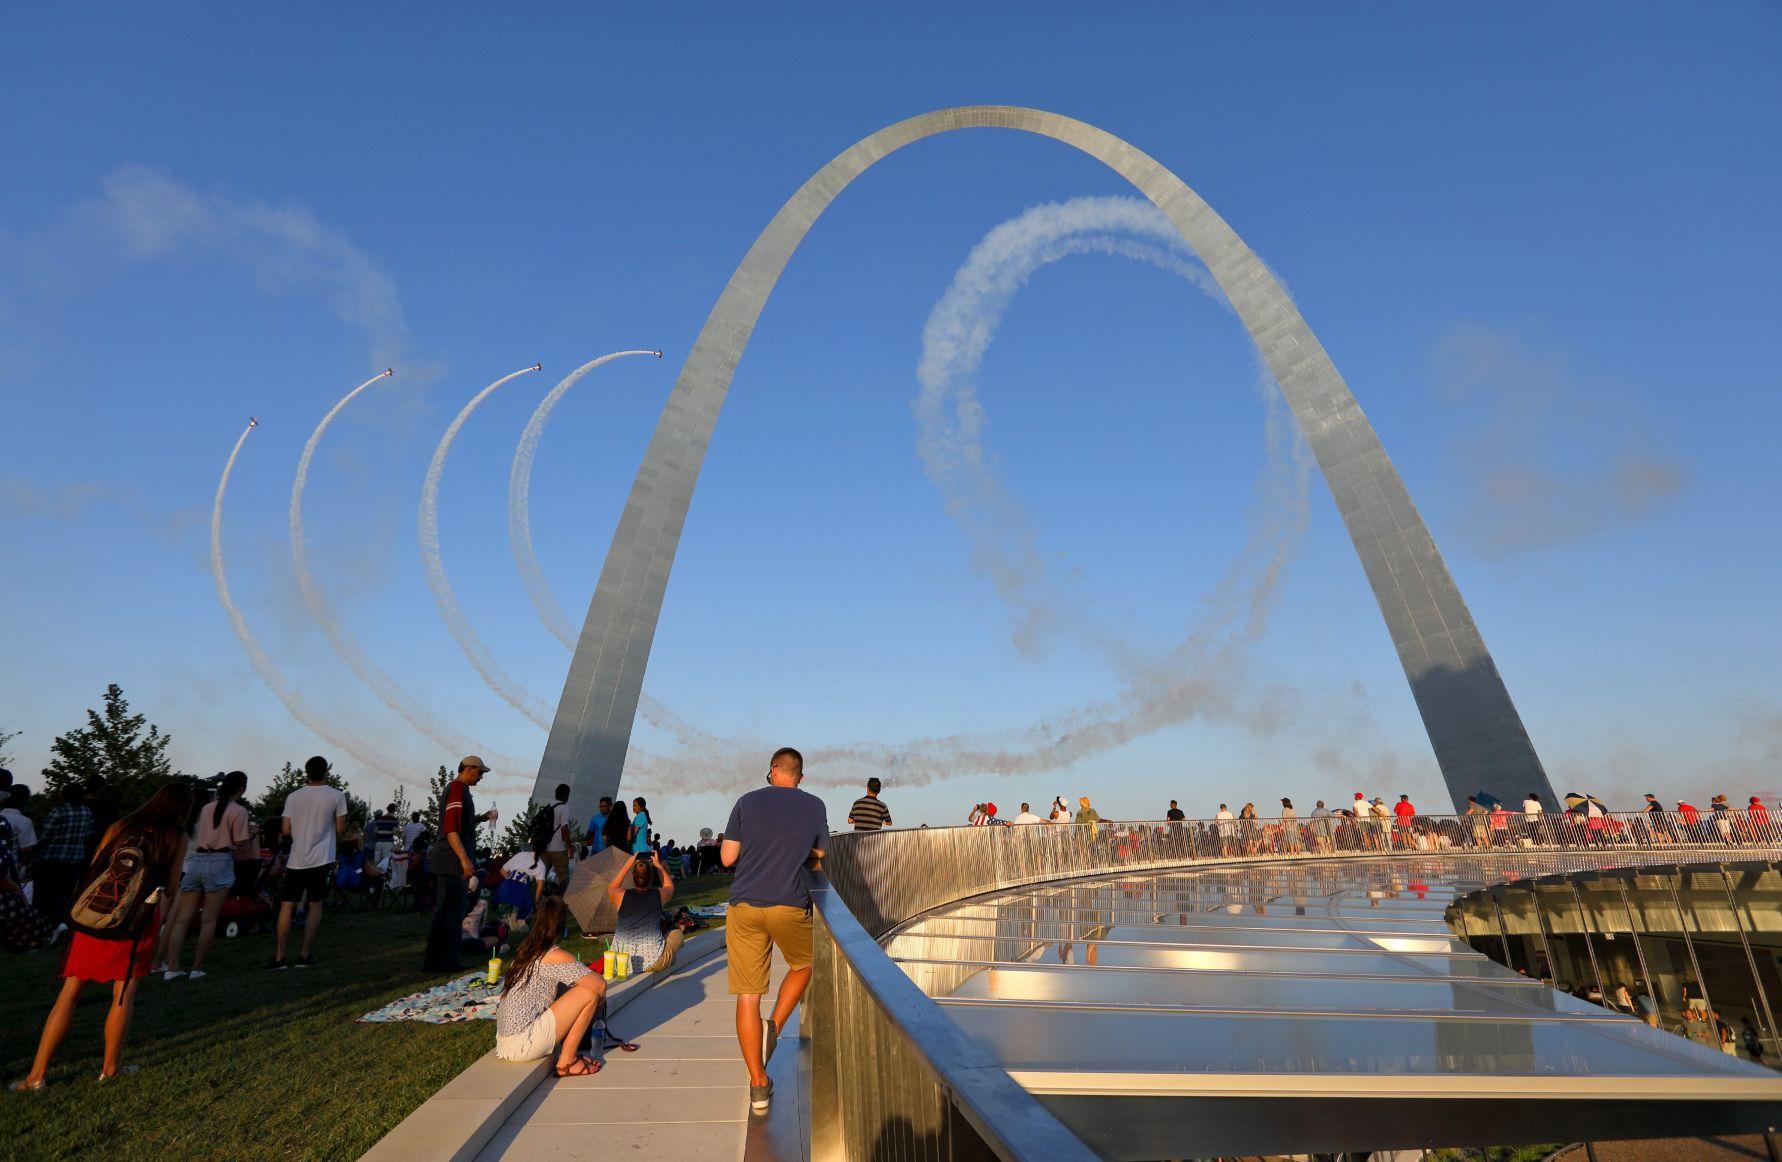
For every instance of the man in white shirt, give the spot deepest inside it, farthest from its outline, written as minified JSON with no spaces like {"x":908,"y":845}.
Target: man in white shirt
{"x":1027,"y":816}
{"x":1224,"y":826}
{"x":556,"y":852}
{"x":314,"y":817}
{"x":24,"y":836}
{"x":411,"y":831}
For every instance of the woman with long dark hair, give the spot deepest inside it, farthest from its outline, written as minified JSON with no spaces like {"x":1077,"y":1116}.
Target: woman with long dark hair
{"x":209,"y":873}
{"x":617,"y":830}
{"x":139,"y":852}
{"x":549,"y":998}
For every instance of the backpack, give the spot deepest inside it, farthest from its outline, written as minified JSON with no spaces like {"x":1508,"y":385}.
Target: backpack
{"x":119,"y":899}
{"x":544,"y":826}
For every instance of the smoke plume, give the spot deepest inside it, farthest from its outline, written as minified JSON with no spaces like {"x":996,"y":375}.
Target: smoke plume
{"x":263,"y":665}
{"x":1551,"y":458}
{"x":444,"y":597}
{"x":1205,"y":676}
{"x":519,"y":500}
{"x":341,"y":638}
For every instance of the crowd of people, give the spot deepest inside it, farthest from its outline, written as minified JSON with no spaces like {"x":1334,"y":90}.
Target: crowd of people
{"x":1372,"y":825}
{"x":127,"y":892}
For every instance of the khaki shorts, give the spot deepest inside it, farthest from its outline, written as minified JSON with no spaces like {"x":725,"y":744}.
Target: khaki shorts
{"x":750,"y":936}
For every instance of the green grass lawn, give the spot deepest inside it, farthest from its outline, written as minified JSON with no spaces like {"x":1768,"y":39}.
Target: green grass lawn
{"x":246,"y":1063}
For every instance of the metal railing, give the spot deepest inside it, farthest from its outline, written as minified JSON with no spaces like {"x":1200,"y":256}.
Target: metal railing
{"x":893,"y":1077}
{"x":891,"y":876}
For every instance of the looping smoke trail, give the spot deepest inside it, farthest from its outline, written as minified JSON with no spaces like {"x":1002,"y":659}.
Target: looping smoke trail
{"x":443,"y":596}
{"x":1202,"y":676}
{"x":519,"y":500}
{"x":344,"y":643}
{"x":951,"y":420}
{"x":263,"y":665}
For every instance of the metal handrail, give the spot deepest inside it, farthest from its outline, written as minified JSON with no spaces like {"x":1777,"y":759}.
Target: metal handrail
{"x":885,"y":1055}
{"x":1005,"y":1118}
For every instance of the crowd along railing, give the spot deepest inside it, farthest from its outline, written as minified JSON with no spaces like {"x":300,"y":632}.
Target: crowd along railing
{"x":892,"y":1076}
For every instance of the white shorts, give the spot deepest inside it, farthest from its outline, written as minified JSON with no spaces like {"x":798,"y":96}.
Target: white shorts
{"x":533,"y":1043}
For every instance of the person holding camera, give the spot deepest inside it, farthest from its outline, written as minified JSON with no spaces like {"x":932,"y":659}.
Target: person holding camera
{"x":639,"y":929}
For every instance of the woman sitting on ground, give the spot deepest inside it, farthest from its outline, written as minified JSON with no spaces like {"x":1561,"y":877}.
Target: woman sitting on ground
{"x":638,"y":930}
{"x":549,"y":999}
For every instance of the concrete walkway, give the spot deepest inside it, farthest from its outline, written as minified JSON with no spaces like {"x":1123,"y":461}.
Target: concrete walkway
{"x":682,"y":1094}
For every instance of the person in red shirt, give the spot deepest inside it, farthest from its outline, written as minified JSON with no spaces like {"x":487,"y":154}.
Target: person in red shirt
{"x":1759,"y":818}
{"x":1405,"y":813}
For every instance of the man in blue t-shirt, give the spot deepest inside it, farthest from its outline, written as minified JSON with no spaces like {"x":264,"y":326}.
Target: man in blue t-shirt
{"x":774,"y":834}
{"x":597,"y":825}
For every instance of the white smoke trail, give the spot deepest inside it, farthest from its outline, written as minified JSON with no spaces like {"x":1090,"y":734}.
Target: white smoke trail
{"x":1204,"y":676}
{"x":951,"y":419}
{"x":443,"y":596}
{"x":519,"y":500}
{"x":263,"y":665}
{"x":344,"y":643}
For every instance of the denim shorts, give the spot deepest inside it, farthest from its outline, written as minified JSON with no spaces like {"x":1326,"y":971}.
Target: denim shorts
{"x":208,"y":871}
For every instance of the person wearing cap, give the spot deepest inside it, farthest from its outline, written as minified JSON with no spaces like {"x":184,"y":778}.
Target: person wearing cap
{"x":1758,"y":817}
{"x":1089,"y":815}
{"x":452,"y":861}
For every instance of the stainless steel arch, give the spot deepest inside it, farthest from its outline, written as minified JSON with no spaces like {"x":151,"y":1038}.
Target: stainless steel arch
{"x":1479,"y":740}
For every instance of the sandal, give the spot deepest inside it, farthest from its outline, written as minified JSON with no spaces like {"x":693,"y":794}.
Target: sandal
{"x":608,"y":1041}
{"x":23,"y":1086}
{"x":580,"y":1067}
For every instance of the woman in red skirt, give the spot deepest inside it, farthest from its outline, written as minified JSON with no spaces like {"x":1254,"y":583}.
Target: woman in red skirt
{"x":160,"y":825}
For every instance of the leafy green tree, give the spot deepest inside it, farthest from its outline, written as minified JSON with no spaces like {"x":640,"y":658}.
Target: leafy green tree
{"x":400,"y":806}
{"x":6,"y":756}
{"x":112,"y":745}
{"x":519,"y":830}
{"x":435,"y":799}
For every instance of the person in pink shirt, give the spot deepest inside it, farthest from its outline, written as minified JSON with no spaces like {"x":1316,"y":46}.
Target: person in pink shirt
{"x":209,"y":874}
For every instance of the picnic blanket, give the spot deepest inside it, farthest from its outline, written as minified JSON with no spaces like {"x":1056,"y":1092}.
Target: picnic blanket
{"x":468,"y":998}
{"x":711,"y":910}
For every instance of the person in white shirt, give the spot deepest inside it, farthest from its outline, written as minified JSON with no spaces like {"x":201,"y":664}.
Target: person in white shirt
{"x":1531,"y":817}
{"x":556,"y":852}
{"x":314,"y":816}
{"x":1060,"y":813}
{"x":24,"y":836}
{"x":1225,"y":827}
{"x":411,"y":831}
{"x":1027,"y":816}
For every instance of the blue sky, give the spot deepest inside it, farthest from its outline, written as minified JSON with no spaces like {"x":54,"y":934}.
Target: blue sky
{"x":1540,"y":244}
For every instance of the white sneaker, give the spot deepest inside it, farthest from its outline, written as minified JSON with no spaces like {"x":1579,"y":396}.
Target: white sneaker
{"x":197,"y":974}
{"x":170,"y":974}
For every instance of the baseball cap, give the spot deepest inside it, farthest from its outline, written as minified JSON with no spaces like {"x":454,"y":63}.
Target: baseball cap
{"x":471,"y":760}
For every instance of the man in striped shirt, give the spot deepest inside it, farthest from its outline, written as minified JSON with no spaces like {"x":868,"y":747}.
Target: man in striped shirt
{"x":869,"y":812}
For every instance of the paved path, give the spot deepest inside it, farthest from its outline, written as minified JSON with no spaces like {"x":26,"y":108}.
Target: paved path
{"x":682,"y":1094}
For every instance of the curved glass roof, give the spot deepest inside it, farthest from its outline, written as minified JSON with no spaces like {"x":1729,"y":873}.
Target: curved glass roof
{"x":1284,"y":980}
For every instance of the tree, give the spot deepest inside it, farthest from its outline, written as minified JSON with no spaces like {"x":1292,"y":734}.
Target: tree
{"x":400,"y":807}
{"x":519,"y":830}
{"x":435,"y":797}
{"x":271,"y":803}
{"x":112,"y":745}
{"x":7,"y":736}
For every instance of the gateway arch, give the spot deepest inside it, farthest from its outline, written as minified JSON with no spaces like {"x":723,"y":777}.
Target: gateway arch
{"x":1479,"y":740}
